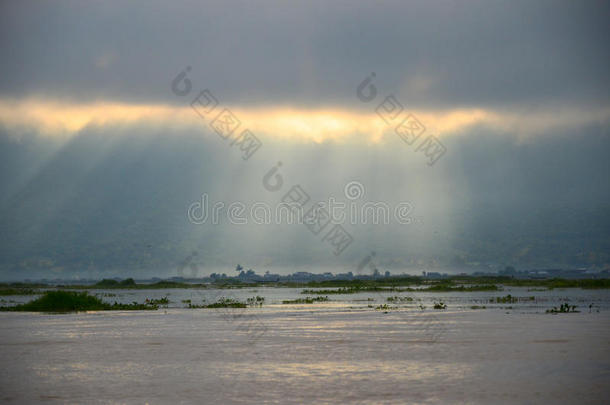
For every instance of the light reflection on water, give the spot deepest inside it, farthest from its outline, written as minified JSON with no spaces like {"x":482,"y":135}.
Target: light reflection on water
{"x":327,"y":353}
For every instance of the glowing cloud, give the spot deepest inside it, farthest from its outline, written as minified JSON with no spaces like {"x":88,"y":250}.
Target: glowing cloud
{"x":56,"y":118}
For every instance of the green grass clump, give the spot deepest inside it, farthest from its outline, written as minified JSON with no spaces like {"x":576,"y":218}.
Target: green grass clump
{"x":72,"y":301}
{"x":440,"y":305}
{"x":384,"y":307}
{"x":64,"y":301}
{"x":255,"y":301}
{"x":167,"y":284}
{"x":18,"y":291}
{"x":478,"y":307}
{"x":584,"y":283}
{"x":396,"y":298}
{"x":445,"y":287}
{"x":383,"y":282}
{"x":158,"y":301}
{"x":224,"y":303}
{"x":354,"y":290}
{"x":507,"y":299}
{"x":307,"y":300}
{"x":342,"y":290}
{"x":563,"y":308}
{"x":229,"y":303}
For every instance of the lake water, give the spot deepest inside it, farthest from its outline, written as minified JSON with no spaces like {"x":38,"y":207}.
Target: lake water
{"x":341,"y":351}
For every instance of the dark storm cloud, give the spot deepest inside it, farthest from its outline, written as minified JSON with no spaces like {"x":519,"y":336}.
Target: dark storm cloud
{"x":435,"y":54}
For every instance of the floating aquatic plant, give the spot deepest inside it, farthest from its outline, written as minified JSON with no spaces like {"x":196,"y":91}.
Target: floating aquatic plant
{"x":307,"y":300}
{"x":396,"y":298}
{"x":71,"y":301}
{"x":563,"y":308}
{"x":256,"y":301}
{"x":440,"y":305}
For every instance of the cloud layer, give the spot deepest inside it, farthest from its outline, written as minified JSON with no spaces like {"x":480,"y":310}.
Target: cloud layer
{"x":440,"y":55}
{"x":100,"y":158}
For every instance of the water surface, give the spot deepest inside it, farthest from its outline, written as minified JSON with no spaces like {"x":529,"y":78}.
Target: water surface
{"x":336,"y":352}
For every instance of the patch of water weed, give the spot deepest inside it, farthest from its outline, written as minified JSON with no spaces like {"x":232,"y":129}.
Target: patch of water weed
{"x":440,"y":305}
{"x":447,"y":287}
{"x":158,"y":301}
{"x":396,"y":298}
{"x":307,"y":300}
{"x":563,"y":308}
{"x":509,"y":299}
{"x":255,"y":301}
{"x":223,"y":303}
{"x":384,"y":307}
{"x":73,"y":301}
{"x":19,"y":291}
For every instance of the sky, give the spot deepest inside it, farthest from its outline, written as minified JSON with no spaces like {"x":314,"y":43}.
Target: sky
{"x":483,"y":126}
